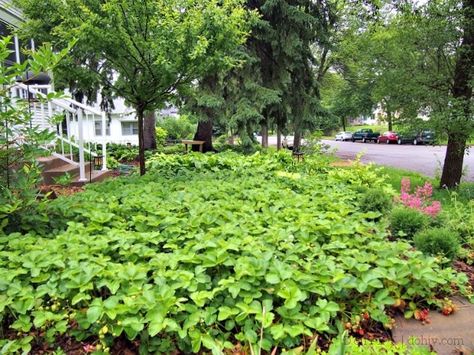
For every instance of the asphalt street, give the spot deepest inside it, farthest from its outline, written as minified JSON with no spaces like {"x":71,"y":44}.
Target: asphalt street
{"x":427,"y":160}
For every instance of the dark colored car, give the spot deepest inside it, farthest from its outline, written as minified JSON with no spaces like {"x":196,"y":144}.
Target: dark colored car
{"x":365,"y":135}
{"x":423,"y":137}
{"x":388,"y":137}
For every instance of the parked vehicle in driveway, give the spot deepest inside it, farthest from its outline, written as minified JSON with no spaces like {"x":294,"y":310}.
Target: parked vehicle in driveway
{"x":365,"y":135}
{"x":388,"y":137}
{"x":423,"y":137}
{"x":344,"y":136}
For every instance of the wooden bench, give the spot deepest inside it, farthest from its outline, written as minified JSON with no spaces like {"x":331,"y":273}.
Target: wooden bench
{"x":187,"y":142}
{"x":299,"y":156}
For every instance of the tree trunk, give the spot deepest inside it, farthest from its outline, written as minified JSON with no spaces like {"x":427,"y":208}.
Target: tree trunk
{"x":278,"y":138}
{"x":389,"y":120}
{"x":453,"y":162}
{"x":462,"y":92}
{"x":343,"y":123}
{"x":264,"y":129}
{"x":231,"y":140}
{"x":149,"y":129}
{"x":297,"y":141}
{"x":141,"y":141}
{"x":204,"y":133}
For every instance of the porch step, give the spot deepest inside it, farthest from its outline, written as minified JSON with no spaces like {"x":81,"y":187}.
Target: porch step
{"x":54,"y":167}
{"x":50,"y":162}
{"x":94,"y":176}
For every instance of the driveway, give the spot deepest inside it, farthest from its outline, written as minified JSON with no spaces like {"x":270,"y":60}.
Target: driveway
{"x":427,"y":160}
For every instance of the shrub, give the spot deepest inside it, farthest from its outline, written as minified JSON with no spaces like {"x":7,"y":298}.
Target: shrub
{"x":20,"y":145}
{"x":407,"y":220}
{"x":122,"y":152}
{"x":375,"y":200}
{"x":461,"y":218}
{"x":466,"y":191}
{"x":161,"y":135}
{"x":438,"y":241}
{"x":177,"y":128}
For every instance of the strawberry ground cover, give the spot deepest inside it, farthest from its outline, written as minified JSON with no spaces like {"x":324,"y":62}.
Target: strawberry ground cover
{"x":209,"y":251}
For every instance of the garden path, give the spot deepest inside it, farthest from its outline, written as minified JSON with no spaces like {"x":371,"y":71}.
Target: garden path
{"x":447,"y":335}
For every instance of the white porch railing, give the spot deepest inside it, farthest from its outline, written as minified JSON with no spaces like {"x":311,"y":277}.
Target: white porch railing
{"x":78,"y":125}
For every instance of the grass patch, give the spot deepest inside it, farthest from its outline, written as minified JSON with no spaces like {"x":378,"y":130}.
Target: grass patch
{"x":394,"y":176}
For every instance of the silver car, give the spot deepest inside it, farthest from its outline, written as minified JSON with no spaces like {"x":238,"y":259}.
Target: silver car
{"x":344,"y":136}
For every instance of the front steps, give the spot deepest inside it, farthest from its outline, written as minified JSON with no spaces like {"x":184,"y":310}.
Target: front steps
{"x":54,"y":168}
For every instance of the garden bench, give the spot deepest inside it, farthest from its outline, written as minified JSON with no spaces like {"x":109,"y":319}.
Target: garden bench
{"x":298,"y":156}
{"x":187,"y":142}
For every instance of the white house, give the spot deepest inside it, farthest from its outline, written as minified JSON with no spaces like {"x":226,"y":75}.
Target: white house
{"x":121,"y":123}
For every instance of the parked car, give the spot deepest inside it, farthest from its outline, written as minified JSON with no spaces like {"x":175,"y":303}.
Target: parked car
{"x":406,"y":138}
{"x":388,"y":137}
{"x":344,"y":136}
{"x":365,"y":135}
{"x":423,"y":137}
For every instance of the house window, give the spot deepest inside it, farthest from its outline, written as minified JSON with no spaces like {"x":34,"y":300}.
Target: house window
{"x":98,"y":128}
{"x":129,"y":128}
{"x":5,"y":30}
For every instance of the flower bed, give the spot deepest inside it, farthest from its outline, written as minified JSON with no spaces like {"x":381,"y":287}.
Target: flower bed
{"x":210,"y":251}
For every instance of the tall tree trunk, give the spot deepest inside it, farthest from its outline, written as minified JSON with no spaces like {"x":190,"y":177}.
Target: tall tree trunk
{"x":343,"y":120}
{"x":278,"y":138}
{"x":204,"y":133}
{"x":231,"y":140}
{"x":297,"y":140}
{"x":149,"y":128}
{"x":141,"y":140}
{"x":453,"y":162}
{"x":264,"y":129}
{"x":462,"y":92}
{"x":389,"y":120}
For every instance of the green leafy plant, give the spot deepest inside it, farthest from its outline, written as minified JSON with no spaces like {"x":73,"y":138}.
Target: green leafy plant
{"x":196,"y":256}
{"x":177,"y":127}
{"x":354,"y":346}
{"x":375,"y":200}
{"x":20,"y":142}
{"x":161,"y":135}
{"x":64,"y":179}
{"x":407,"y":222}
{"x":438,"y":241}
{"x":459,"y":217}
{"x":122,"y":152}
{"x":466,"y":191}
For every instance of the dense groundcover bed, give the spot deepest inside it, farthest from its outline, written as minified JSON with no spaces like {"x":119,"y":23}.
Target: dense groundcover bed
{"x":208,"y":251}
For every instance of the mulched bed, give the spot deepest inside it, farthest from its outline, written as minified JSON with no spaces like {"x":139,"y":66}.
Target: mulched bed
{"x":461,"y":266}
{"x":54,"y":191}
{"x":369,"y":329}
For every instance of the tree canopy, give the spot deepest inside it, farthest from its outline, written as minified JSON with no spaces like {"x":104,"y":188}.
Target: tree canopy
{"x":145,"y":51}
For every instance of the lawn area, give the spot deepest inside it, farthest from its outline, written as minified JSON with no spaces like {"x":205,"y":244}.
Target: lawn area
{"x":212,"y":252}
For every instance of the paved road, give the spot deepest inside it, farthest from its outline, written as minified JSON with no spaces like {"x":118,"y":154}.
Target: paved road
{"x":427,"y":160}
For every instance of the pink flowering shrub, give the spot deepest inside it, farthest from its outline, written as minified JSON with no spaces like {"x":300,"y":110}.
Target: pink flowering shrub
{"x":421,"y":199}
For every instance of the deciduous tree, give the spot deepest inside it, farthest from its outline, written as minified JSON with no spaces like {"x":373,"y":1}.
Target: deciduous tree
{"x":154,"y":48}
